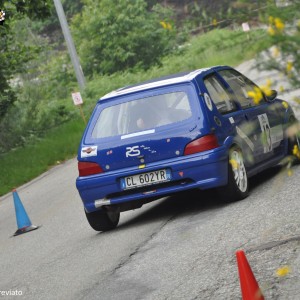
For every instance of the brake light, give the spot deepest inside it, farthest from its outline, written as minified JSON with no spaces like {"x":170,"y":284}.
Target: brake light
{"x":204,"y":143}
{"x":88,"y":168}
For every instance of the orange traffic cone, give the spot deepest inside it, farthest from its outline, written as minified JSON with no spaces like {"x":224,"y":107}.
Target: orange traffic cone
{"x":249,"y":286}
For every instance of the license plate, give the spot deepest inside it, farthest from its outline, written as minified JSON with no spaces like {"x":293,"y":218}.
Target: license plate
{"x":144,"y":179}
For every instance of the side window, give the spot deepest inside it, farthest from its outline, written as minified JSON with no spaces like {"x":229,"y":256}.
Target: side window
{"x":241,"y":87}
{"x":219,"y":95}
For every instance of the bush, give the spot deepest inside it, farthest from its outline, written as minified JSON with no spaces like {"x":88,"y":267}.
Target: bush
{"x":118,"y":35}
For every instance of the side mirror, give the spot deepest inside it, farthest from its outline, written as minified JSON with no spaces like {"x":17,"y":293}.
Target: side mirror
{"x":271,"y":97}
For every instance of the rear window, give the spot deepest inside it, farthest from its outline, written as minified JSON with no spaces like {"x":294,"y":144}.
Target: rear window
{"x":142,"y":114}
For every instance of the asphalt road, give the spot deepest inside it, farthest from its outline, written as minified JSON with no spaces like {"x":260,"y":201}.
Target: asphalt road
{"x":179,"y":247}
{"x":176,"y":248}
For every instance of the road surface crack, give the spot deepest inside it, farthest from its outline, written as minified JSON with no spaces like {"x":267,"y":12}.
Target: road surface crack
{"x":125,"y":260}
{"x":273,"y":244}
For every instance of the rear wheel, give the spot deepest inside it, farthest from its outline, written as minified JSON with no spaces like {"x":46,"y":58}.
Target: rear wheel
{"x":237,"y":187}
{"x":103,"y":220}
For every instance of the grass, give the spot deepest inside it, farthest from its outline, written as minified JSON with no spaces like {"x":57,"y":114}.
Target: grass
{"x":218,"y":47}
{"x":23,"y":164}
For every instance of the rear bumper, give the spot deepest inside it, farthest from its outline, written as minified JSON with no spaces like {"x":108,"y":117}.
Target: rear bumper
{"x":204,"y":170}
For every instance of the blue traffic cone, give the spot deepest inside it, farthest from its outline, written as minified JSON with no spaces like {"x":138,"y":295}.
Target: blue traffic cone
{"x":23,"y":221}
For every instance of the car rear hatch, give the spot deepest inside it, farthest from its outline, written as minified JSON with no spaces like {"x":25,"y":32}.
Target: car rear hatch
{"x":143,"y":128}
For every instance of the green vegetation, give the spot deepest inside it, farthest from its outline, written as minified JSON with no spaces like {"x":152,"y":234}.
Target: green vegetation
{"x":284,"y":31}
{"x":14,"y":54}
{"x":61,"y":143}
{"x":114,"y":36}
{"x":217,"y":47}
{"x":23,"y":164}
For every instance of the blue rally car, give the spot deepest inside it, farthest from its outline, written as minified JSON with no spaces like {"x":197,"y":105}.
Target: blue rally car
{"x":195,"y":130}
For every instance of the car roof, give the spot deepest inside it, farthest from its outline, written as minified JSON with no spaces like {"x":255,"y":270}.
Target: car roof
{"x":159,"y":82}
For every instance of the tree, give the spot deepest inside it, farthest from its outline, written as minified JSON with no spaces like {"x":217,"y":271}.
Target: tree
{"x":15,"y":55}
{"x":113,"y":35}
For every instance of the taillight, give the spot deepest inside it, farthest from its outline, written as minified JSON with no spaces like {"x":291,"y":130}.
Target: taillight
{"x":204,"y":143}
{"x":88,"y":168}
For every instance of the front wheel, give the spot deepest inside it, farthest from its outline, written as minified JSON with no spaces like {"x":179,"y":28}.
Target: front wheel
{"x":237,"y":187}
{"x":103,"y":220}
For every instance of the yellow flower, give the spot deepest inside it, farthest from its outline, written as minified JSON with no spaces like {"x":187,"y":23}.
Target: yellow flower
{"x":271,"y":30}
{"x":256,"y":95}
{"x":234,"y":164}
{"x":275,"y":52}
{"x":267,"y":88}
{"x":289,"y":66}
{"x":214,"y":22}
{"x":279,"y":24}
{"x":271,"y":19}
{"x":297,"y":100}
{"x":169,"y":26}
{"x":253,"y":95}
{"x":166,"y":25}
{"x":163,"y":24}
{"x":276,"y":25}
{"x":269,"y":82}
{"x":285,"y":270}
{"x":296,"y":151}
{"x":281,"y":89}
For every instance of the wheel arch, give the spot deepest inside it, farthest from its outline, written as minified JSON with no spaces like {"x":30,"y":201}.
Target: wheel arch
{"x":231,"y":142}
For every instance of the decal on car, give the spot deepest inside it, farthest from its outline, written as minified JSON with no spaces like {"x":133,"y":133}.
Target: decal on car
{"x":277,"y":135}
{"x":266,"y":130}
{"x":89,"y":151}
{"x":218,"y":121}
{"x":133,"y":151}
{"x":208,"y":102}
{"x":127,"y":136}
{"x":245,"y":138}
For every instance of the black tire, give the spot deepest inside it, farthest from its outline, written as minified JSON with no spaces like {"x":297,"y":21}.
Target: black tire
{"x":103,"y":220}
{"x":237,"y":186}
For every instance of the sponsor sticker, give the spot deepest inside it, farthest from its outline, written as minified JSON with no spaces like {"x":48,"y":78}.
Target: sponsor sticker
{"x":266,"y":130}
{"x":208,"y":102}
{"x":89,"y":151}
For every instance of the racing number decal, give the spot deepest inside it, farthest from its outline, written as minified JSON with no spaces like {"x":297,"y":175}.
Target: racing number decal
{"x":266,"y":132}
